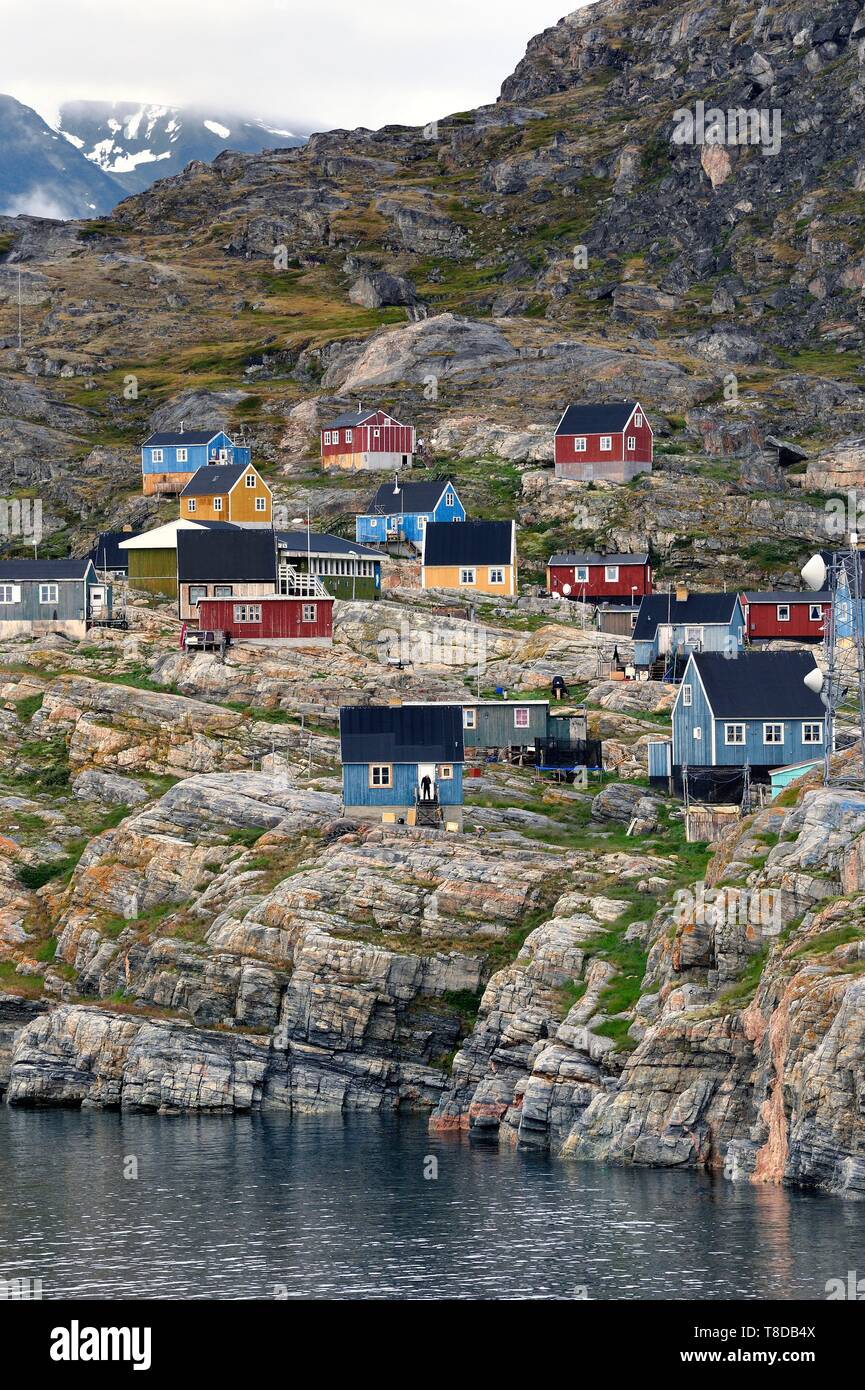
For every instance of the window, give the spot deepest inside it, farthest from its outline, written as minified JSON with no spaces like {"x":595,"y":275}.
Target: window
{"x":632,"y":441}
{"x":445,"y":772}
{"x":521,"y":718}
{"x":496,"y":575}
{"x":693,"y":636}
{"x":611,"y":573}
{"x":217,"y":504}
{"x":470,"y":719}
{"x":261,"y":504}
{"x":48,"y":593}
{"x":687,"y":695}
{"x":638,"y":421}
{"x":815,"y":613}
{"x":334,"y":436}
{"x":196,"y":593}
{"x":247,"y":612}
{"x":309,"y":612}
{"x":783,"y":612}
{"x":698,"y":733}
{"x":376,"y":433}
{"x":156,"y":455}
{"x":773,"y":733}
{"x":222,"y":591}
{"x":812,"y":733}
{"x":10,"y":593}
{"x":190,"y":505}
{"x":581,"y":574}
{"x":580,"y":444}
{"x":606,"y":443}
{"x":182,"y":455}
{"x":467,"y":576}
{"x":348,"y":436}
{"x":734,"y":734}
{"x":327,"y":436}
{"x":250,"y":480}
{"x":450,"y":498}
{"x":380,"y":774}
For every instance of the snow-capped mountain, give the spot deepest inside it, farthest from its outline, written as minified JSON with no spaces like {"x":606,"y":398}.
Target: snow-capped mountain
{"x":43,"y":174}
{"x":136,"y":143}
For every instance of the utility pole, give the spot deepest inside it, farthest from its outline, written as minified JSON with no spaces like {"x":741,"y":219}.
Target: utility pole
{"x":20,"y":331}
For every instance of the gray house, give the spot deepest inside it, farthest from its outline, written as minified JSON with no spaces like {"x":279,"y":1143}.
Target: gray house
{"x":40,"y":596}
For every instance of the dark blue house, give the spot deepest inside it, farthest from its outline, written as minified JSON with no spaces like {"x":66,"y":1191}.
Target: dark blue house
{"x":403,"y":764}
{"x":751,"y":709}
{"x":401,"y":511}
{"x":169,"y":458}
{"x":671,"y":626}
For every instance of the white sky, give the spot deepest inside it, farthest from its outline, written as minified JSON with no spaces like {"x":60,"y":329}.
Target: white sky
{"x":314,"y":63}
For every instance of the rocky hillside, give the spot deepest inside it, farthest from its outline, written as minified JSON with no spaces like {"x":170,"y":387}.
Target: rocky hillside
{"x":474,"y":275}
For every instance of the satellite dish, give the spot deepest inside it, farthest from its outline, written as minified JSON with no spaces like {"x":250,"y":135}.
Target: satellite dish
{"x":566,"y":588}
{"x":814,"y":573}
{"x":814,"y":679}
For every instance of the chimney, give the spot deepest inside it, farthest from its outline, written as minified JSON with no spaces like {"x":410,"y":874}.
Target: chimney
{"x":181,"y":427}
{"x":127,"y":527}
{"x":681,"y":593}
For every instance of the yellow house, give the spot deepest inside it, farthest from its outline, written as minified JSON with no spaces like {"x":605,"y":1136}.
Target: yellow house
{"x":232,"y":492}
{"x":480,"y":556}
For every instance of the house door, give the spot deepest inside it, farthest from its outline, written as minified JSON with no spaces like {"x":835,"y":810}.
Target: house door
{"x":426,"y":790}
{"x":97,"y":599}
{"x":664,"y":636}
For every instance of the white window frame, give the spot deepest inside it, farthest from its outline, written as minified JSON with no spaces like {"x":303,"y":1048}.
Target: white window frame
{"x":690,"y":639}
{"x":249,"y":480}
{"x":450,"y":498}
{"x":730,"y":738}
{"x":309,"y":613}
{"x":10,"y":593}
{"x":632,"y":441}
{"x":698,"y":733}
{"x":782,"y":612}
{"x":327,"y":436}
{"x":348,"y":436}
{"x":261,"y":504}
{"x":247,"y":612}
{"x":638,"y":421}
{"x":495,"y":574}
{"x":445,"y":772}
{"x":156,"y":456}
{"x":468,"y":574}
{"x":182,"y":455}
{"x":522,"y":717}
{"x":49,"y":593}
{"x":581,"y":574}
{"x":815,"y":724}
{"x":580,"y":444}
{"x":611,"y":574}
{"x":470,"y":719}
{"x":385,"y":776}
{"x":815,"y":613}
{"x":606,"y":443}
{"x":773,"y":742}
{"x":687,"y":695}
{"x":217,"y":504}
{"x":190,"y":504}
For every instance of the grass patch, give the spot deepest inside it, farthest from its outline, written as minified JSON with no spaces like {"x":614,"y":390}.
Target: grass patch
{"x":26,"y":708}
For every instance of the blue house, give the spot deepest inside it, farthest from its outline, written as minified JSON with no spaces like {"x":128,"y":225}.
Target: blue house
{"x":671,"y":626}
{"x":403,"y":764}
{"x":42,"y":596}
{"x":169,"y":458}
{"x":753,"y":709}
{"x":400,"y":511}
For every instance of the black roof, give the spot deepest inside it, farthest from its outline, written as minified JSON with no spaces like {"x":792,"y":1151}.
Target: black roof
{"x":295,"y":543}
{"x":214,"y":477}
{"x":106,"y":553}
{"x":605,"y":417}
{"x":401,"y":734}
{"x":212,"y":556}
{"x":591,"y":557}
{"x":759,"y":685}
{"x":696,"y":608}
{"x":788,"y":596}
{"x":468,"y":543}
{"x":44,"y":569}
{"x":182,"y":436}
{"x":410,"y":497}
{"x":350,"y":418}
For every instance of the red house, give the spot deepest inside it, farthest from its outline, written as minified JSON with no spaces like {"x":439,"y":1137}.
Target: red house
{"x":779,"y":614}
{"x":367,"y":439}
{"x":285,"y":620}
{"x":612,"y":441}
{"x":592,"y":578}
